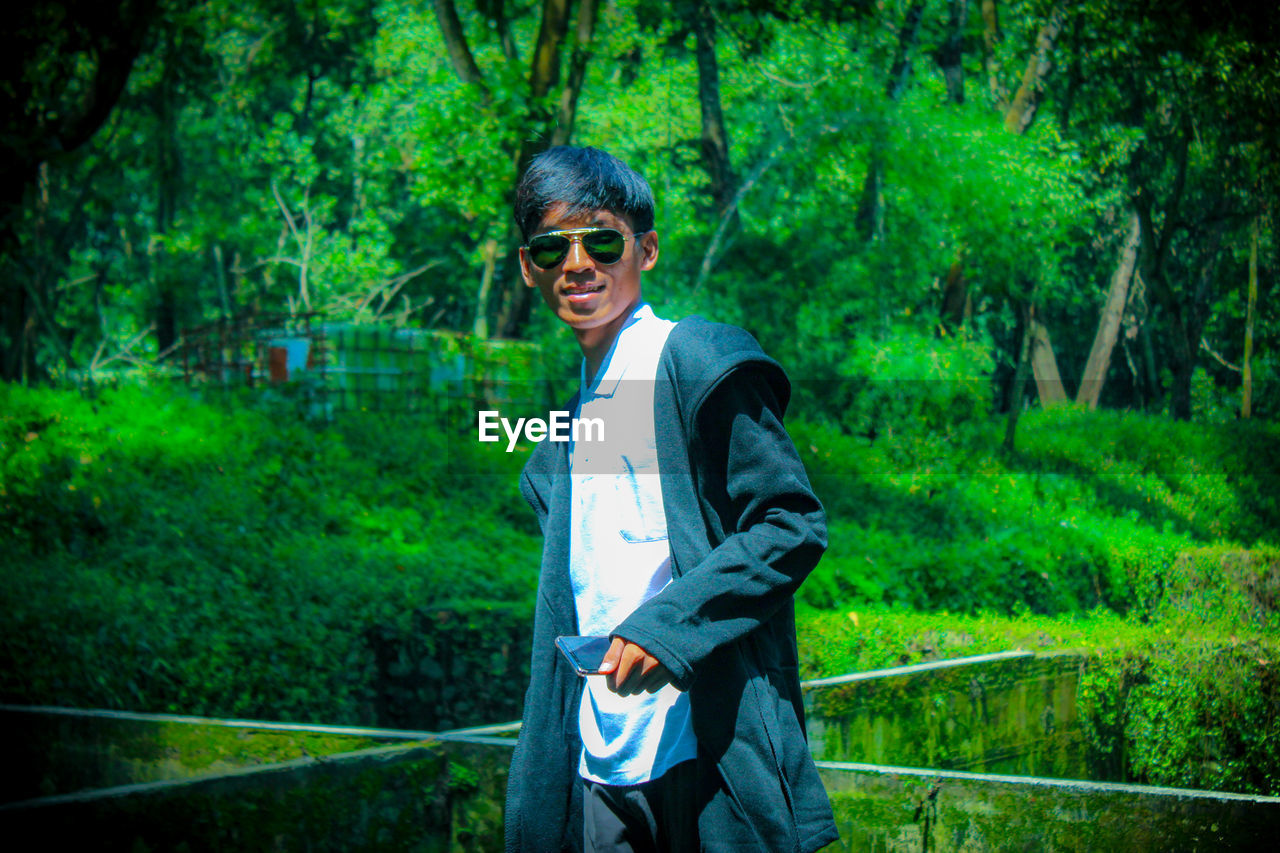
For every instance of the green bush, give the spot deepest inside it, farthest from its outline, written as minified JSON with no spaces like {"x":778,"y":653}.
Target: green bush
{"x":904,"y":384}
{"x":877,"y":637}
{"x":1185,"y":713}
{"x":167,"y":555}
{"x":1094,"y":509}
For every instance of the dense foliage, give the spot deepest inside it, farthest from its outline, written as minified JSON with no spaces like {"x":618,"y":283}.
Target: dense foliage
{"x":1091,"y":512}
{"x":166,"y":554}
{"x":826,"y":173}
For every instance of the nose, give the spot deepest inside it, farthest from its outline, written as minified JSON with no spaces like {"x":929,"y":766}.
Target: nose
{"x":577,"y":258}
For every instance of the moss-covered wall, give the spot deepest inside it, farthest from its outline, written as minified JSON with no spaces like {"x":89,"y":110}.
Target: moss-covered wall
{"x":51,"y":753}
{"x":194,"y":786}
{"x":1014,"y":716}
{"x":434,"y":796}
{"x":884,"y":811}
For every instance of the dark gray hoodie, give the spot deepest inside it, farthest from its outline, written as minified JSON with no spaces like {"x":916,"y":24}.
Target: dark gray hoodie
{"x":745,"y":529}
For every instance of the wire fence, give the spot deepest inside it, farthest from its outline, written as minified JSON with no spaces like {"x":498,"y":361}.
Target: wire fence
{"x":334,"y":367}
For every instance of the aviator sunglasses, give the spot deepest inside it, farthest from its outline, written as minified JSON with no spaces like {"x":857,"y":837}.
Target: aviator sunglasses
{"x":604,"y":245}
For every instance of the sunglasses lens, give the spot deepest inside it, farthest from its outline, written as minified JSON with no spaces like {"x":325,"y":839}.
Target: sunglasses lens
{"x":605,"y":245}
{"x":548,"y":250}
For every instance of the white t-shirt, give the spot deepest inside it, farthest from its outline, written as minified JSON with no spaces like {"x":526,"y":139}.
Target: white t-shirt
{"x":619,"y":556}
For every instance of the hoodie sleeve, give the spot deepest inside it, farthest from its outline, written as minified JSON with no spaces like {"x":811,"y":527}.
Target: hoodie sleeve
{"x":759,"y":507}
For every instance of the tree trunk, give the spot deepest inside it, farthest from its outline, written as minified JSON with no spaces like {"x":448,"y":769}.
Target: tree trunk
{"x":542,"y":127}
{"x":1045,"y":366}
{"x":490,"y":252}
{"x":1017,"y":119}
{"x":1185,"y":313}
{"x":869,"y":219}
{"x":18,"y":319}
{"x":496,"y":12}
{"x":1156,"y":246}
{"x":951,"y":57}
{"x":1194,"y":315}
{"x":544,"y":74}
{"x":715,"y":136}
{"x":1095,"y":371}
{"x":168,"y":175}
{"x":1246,"y":401}
{"x":106,"y":37}
{"x":33,"y":292}
{"x":1149,"y":365}
{"x":518,"y":299}
{"x":577,"y":72}
{"x":956,"y":303}
{"x":714,"y":248}
{"x":991,"y":38}
{"x":900,"y":72}
{"x":455,"y":42}
{"x":1186,"y":324}
{"x":1019,"y":382}
{"x":1023,"y":109}
{"x":220,"y":275}
{"x":1134,"y":340}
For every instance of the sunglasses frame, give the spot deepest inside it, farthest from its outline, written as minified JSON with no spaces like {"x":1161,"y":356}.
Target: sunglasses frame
{"x":579,"y":233}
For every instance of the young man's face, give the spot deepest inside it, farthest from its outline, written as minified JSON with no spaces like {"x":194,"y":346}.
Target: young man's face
{"x":594,"y":299}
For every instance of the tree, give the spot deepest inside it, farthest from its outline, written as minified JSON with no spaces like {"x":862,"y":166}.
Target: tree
{"x":1022,"y":110}
{"x":65,"y":65}
{"x":869,"y":219}
{"x":1095,"y":371}
{"x":1018,"y":117}
{"x":715,"y":135}
{"x":540,"y":126}
{"x":951,"y":54}
{"x":992,"y":36}
{"x":1246,"y":401}
{"x":1199,"y":156}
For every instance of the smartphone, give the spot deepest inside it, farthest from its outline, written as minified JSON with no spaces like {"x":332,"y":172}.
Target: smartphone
{"x":585,"y":654}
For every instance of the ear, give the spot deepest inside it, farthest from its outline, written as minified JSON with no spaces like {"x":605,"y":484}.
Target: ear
{"x":648,"y":250}
{"x":526,"y":271}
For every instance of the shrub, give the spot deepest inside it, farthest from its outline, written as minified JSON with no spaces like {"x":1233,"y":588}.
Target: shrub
{"x":163,"y":554}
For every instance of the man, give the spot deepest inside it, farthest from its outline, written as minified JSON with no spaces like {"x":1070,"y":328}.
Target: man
{"x":682,"y":535}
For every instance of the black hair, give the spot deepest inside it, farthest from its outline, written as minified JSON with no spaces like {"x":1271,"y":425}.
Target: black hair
{"x":583,"y":179}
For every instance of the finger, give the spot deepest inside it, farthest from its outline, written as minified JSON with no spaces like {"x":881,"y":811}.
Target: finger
{"x":629,"y":668}
{"x":617,"y":675}
{"x":648,"y":675}
{"x":611,"y":657}
{"x":656,"y":679}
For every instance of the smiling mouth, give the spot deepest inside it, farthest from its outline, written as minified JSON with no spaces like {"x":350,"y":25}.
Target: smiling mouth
{"x":583,"y":289}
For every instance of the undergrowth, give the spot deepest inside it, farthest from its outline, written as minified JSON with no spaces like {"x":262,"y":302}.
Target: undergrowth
{"x":161,"y":553}
{"x":1089,"y":512}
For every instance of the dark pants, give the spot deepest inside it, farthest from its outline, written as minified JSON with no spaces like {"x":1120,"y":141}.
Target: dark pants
{"x":659,"y":816}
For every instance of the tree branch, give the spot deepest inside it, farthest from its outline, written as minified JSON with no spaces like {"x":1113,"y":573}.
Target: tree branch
{"x":455,"y":41}
{"x":1204,"y":345}
{"x":577,"y":72}
{"x":1023,"y":109}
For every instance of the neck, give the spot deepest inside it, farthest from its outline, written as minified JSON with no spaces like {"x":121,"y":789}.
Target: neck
{"x":595,"y":342}
{"x":594,"y":349}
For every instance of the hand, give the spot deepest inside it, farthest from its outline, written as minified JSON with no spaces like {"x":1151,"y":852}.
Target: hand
{"x":631,"y":670}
